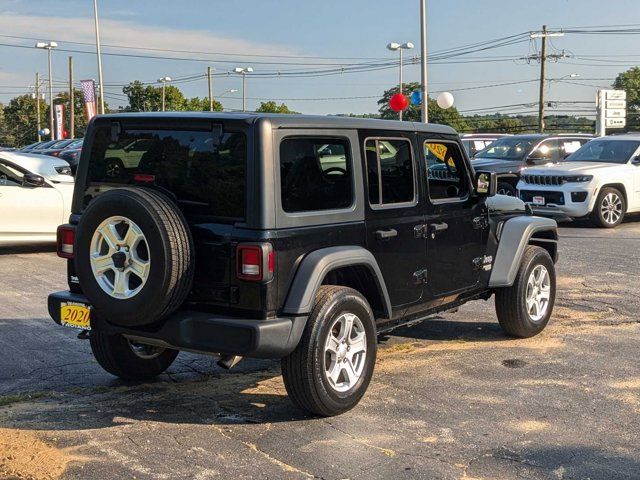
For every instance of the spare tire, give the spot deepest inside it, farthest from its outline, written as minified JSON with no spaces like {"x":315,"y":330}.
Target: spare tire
{"x":134,"y":256}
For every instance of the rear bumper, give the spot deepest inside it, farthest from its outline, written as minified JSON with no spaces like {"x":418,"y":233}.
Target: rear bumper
{"x":204,"y":332}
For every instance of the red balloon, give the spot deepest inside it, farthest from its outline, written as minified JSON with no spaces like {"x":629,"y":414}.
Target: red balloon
{"x":398,"y":102}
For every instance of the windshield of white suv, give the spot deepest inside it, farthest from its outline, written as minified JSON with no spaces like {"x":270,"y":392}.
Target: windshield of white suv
{"x":508,"y":148}
{"x":605,"y":150}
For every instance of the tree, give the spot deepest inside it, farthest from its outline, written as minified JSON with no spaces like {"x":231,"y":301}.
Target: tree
{"x":449,"y":117}
{"x":147,"y":98}
{"x":629,"y":81}
{"x":20,"y":120}
{"x":80,"y":116}
{"x":273,"y":107}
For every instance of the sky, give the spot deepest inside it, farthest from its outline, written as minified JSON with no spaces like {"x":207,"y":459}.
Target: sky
{"x":303,"y":35}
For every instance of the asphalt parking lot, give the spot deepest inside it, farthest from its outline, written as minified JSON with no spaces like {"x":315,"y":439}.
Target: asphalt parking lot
{"x":451,"y":398}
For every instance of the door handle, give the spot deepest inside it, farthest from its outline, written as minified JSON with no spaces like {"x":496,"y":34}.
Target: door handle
{"x":386,"y":234}
{"x":437,"y":228}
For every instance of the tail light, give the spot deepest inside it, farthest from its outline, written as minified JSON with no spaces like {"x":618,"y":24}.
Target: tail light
{"x":255,"y":262}
{"x":66,"y":239}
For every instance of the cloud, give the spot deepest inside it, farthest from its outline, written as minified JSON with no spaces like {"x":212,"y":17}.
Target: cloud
{"x":131,"y":33}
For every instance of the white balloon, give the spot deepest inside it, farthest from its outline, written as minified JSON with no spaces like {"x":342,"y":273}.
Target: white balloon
{"x":445,"y":100}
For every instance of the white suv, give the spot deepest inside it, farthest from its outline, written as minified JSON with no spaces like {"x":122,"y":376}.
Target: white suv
{"x":601,"y":179}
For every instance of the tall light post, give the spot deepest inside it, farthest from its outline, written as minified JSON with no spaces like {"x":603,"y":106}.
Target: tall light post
{"x":210,"y":70}
{"x":164,"y":81}
{"x":99,"y":53}
{"x":423,"y":59}
{"x":48,"y":46}
{"x":243,"y":71}
{"x":400,"y":47}
{"x":228,"y":90}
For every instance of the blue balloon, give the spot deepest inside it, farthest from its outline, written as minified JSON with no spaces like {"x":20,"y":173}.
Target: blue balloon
{"x":416,"y":97}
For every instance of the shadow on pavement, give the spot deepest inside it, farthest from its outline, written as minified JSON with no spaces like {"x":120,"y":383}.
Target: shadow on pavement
{"x":36,"y":248}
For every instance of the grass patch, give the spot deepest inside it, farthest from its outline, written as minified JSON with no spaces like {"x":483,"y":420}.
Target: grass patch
{"x":25,"y":397}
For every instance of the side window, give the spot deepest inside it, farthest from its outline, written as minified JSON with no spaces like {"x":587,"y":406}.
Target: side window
{"x":315,"y":174}
{"x":390,"y":171}
{"x":446,"y":171}
{"x":569,"y":146}
{"x":9,"y":176}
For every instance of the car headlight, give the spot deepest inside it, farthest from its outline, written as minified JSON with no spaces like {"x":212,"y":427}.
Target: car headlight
{"x":63,"y":170}
{"x":578,"y":178}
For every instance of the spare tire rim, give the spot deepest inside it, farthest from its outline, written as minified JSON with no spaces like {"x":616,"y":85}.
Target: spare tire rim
{"x":538,"y":293}
{"x":119,"y":257}
{"x":345,"y":352}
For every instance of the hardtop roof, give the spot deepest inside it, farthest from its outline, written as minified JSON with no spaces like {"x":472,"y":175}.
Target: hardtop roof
{"x":293,"y":121}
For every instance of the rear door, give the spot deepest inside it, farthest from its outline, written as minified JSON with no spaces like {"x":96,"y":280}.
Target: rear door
{"x":454,"y":220}
{"x":394,"y":214}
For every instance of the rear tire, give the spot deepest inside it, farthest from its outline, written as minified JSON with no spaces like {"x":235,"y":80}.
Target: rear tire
{"x":330,"y":369}
{"x":524,"y":309}
{"x":127,"y":360}
{"x":609,"y":209}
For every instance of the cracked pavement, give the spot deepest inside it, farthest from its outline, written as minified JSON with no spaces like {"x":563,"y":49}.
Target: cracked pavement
{"x":451,"y":398}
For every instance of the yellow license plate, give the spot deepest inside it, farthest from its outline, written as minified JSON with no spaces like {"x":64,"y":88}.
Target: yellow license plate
{"x":75,"y":315}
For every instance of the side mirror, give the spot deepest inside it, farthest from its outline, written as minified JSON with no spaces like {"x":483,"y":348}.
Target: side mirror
{"x":33,"y":180}
{"x":486,"y":184}
{"x":636,"y":161}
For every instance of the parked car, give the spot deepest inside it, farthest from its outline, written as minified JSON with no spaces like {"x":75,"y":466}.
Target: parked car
{"x":507,"y":156}
{"x":30,"y":146}
{"x":476,"y":142}
{"x":294,"y":260}
{"x":39,"y":146}
{"x":35,"y":197}
{"x":61,"y":146}
{"x":601,"y":180}
{"x":71,"y":156}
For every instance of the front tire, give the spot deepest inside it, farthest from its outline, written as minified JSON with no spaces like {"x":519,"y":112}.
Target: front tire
{"x":128,"y":360}
{"x":330,"y":369}
{"x":609,"y":209}
{"x":504,"y":188}
{"x":524,"y":309}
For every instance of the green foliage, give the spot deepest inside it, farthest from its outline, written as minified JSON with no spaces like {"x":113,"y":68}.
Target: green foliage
{"x":20,"y":121}
{"x":148,"y":98}
{"x":629,"y":81}
{"x":80,"y":117}
{"x":449,"y":117}
{"x":273,"y":107}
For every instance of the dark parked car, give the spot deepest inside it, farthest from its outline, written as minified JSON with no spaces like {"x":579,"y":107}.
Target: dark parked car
{"x":507,"y":156}
{"x":475,"y":142}
{"x":288,"y":236}
{"x":72,"y":156}
{"x":57,"y":148}
{"x":36,"y":147}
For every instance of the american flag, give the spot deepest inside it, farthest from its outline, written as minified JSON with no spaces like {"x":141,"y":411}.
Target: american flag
{"x":88,"y":90}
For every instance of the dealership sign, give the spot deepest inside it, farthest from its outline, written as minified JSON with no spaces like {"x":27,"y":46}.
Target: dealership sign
{"x":59,"y":122}
{"x":612,"y":110}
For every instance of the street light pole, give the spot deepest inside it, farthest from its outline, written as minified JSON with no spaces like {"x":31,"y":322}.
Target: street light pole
{"x":99,"y":53}
{"x":423,"y":59}
{"x":210,"y":81}
{"x":393,"y":47}
{"x":164,"y":81}
{"x":48,"y":46}
{"x":38,"y":105}
{"x":243,"y":71}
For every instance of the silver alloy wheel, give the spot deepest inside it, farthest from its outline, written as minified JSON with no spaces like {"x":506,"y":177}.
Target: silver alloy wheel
{"x":611,"y":208}
{"x":538,"y":293}
{"x":112,"y":170}
{"x":144,"y":351}
{"x":345,"y":352}
{"x":119,"y":257}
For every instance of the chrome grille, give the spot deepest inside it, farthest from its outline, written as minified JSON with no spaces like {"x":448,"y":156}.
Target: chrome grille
{"x":543,"y":179}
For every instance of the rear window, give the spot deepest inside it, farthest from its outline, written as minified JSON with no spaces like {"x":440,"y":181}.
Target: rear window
{"x":207,"y":175}
{"x":315,"y":174}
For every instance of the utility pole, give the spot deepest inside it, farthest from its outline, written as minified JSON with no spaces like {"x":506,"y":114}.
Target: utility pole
{"x":38,"y":105}
{"x":423,"y":60}
{"x":543,"y":64}
{"x":542,"y":58}
{"x":71,"y":101}
{"x":99,"y":54}
{"x":210,"y":80}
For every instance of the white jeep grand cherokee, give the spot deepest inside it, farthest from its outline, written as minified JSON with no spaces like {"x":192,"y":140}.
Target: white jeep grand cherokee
{"x":601,"y":179}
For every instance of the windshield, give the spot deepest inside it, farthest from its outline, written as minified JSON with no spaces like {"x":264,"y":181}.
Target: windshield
{"x":508,"y":148}
{"x":606,"y":150}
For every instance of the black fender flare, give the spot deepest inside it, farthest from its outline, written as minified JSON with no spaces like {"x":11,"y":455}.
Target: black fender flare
{"x":314,"y":268}
{"x":515,"y":235}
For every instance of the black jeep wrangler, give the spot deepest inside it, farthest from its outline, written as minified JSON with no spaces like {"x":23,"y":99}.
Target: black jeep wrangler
{"x":292,"y":237}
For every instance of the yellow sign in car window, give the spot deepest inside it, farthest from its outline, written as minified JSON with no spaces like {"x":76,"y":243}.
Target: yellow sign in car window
{"x":438,"y":149}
